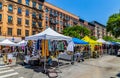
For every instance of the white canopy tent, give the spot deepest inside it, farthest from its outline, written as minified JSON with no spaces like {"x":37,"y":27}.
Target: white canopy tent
{"x":48,"y":34}
{"x":7,"y":42}
{"x":22,"y":43}
{"x":102,"y":41}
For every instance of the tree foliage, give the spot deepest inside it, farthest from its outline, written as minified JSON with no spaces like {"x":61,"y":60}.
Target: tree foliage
{"x":76,"y":31}
{"x":93,"y":37}
{"x":113,"y":25}
{"x":108,"y":38}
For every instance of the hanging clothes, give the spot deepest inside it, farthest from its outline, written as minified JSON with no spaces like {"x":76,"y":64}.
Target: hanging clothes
{"x":61,"y":46}
{"x":45,"y":51}
{"x":49,"y":45}
{"x":38,"y":45}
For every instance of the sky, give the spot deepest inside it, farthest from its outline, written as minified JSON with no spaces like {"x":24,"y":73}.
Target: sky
{"x":89,"y":10}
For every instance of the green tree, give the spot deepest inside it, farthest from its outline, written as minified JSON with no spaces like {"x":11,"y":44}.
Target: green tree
{"x":113,"y":25}
{"x":108,"y":38}
{"x":93,"y":37}
{"x":76,"y":31}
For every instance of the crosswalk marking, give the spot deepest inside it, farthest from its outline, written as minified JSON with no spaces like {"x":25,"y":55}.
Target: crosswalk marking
{"x":8,"y":75}
{"x":6,"y":72}
{"x":11,"y":70}
{"x":21,"y":77}
{"x":4,"y":68}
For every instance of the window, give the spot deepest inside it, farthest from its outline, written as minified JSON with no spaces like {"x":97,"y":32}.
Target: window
{"x":40,"y":7}
{"x":46,"y":9}
{"x":19,"y":10}
{"x":47,"y":27}
{"x":0,"y":31}
{"x":57,"y":29}
{"x":0,"y":5}
{"x":19,"y":1}
{"x":10,"y":19}
{"x":0,"y":17}
{"x":40,"y":24}
{"x":33,"y":24}
{"x":27,"y":22}
{"x":27,"y":12}
{"x":34,"y":15}
{"x":33,"y":32}
{"x":46,"y":18}
{"x":10,"y":31}
{"x":10,"y":8}
{"x":61,"y":23}
{"x":27,"y":2}
{"x":19,"y":21}
{"x":40,"y":16}
{"x":34,"y":4}
{"x":18,"y":32}
{"x":26,"y":32}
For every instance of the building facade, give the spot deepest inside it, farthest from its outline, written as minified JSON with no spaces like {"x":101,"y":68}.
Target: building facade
{"x":20,"y":18}
{"x":88,"y":25}
{"x":57,"y":18}
{"x":100,"y":29}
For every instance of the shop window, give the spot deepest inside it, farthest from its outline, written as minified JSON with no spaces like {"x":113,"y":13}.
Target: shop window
{"x":0,"y":5}
{"x":10,"y":8}
{"x":0,"y":17}
{"x":26,"y":32}
{"x":10,"y":31}
{"x":27,"y":22}
{"x":27,"y":2}
{"x":10,"y":19}
{"x":19,"y":21}
{"x":18,"y":32}
{"x":27,"y":12}
{"x":19,"y":10}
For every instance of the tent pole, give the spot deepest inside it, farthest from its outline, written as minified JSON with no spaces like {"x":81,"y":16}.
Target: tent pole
{"x":45,"y":54}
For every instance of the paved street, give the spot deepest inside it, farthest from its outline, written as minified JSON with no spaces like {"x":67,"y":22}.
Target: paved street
{"x":8,"y":72}
{"x":104,"y":67}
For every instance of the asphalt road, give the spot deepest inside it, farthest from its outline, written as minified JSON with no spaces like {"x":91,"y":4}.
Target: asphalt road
{"x":103,"y":67}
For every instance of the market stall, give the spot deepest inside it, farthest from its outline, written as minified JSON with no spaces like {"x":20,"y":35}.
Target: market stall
{"x":7,"y":51}
{"x":103,"y":46}
{"x":48,"y":34}
{"x":92,"y":44}
{"x":22,"y":43}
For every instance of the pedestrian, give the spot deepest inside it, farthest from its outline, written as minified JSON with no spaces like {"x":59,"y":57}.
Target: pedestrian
{"x":10,"y":56}
{"x":4,"y":57}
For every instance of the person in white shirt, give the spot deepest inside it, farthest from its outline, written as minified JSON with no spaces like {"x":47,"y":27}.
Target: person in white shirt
{"x":9,"y":56}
